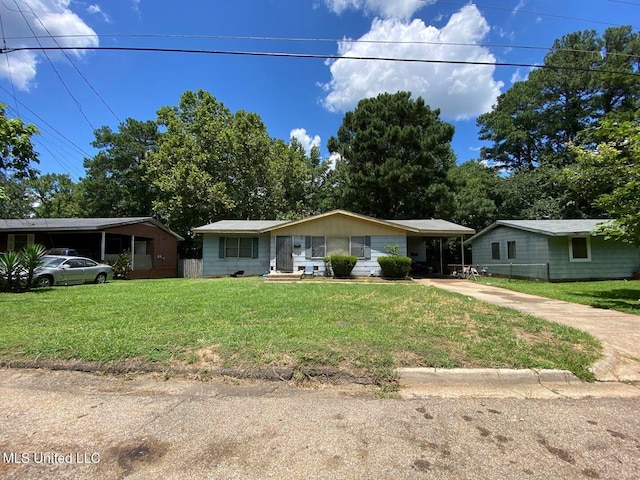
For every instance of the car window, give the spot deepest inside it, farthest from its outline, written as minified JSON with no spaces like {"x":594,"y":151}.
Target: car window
{"x":52,"y":261}
{"x":90,"y":263}
{"x":75,"y":263}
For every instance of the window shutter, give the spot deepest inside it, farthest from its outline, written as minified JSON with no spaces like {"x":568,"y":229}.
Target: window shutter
{"x":221,"y":248}
{"x":367,"y":247}
{"x":256,"y":245}
{"x":31,"y":239}
{"x":307,"y":247}
{"x":11,"y":242}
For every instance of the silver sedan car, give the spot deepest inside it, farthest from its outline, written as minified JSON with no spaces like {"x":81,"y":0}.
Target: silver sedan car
{"x":64,"y":270}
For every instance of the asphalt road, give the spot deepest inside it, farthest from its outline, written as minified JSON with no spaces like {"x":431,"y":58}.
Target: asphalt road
{"x":77,"y":425}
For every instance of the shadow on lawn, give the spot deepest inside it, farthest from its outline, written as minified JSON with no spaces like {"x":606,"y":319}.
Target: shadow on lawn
{"x":623,"y":299}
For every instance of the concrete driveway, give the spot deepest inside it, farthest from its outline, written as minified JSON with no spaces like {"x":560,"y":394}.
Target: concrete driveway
{"x":619,"y":332}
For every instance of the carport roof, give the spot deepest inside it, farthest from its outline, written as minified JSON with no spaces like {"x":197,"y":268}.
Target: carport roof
{"x":76,"y":224}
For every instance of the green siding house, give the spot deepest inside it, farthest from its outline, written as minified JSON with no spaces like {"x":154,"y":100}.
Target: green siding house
{"x":552,"y":250}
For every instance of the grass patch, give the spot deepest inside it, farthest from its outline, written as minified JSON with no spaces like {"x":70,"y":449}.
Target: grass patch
{"x":249,"y":324}
{"x":622,"y":295}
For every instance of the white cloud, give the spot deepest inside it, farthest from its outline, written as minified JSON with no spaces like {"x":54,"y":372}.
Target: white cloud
{"x":331,"y":160}
{"x":135,"y":6}
{"x":461,"y":91}
{"x":45,"y":17}
{"x":305,"y":139}
{"x":383,"y":8}
{"x":96,"y":10}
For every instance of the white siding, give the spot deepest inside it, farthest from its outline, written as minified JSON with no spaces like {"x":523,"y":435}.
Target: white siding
{"x":214,"y":266}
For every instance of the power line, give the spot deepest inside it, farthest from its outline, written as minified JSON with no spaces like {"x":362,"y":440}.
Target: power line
{"x":541,"y":14}
{"x":4,"y":44}
{"x":72,"y":63}
{"x":324,"y":57}
{"x":319,"y":40}
{"x":44,"y":50}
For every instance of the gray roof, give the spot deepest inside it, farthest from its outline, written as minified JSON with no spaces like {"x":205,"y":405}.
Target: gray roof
{"x":553,"y":228}
{"x":240,"y":226}
{"x":75,"y":224}
{"x":434,"y":226}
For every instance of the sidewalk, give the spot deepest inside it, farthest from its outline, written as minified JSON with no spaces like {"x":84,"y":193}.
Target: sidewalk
{"x":619,"y":332}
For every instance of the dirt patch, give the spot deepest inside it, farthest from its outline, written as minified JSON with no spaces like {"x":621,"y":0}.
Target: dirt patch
{"x":558,"y":452}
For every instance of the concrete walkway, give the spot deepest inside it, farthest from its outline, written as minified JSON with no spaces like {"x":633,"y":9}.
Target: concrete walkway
{"x":619,"y":332}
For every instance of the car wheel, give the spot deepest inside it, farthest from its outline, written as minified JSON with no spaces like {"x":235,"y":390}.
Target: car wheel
{"x":101,"y":278}
{"x":44,"y":282}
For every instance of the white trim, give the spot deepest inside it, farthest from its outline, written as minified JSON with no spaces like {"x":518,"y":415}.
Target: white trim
{"x":579,"y":260}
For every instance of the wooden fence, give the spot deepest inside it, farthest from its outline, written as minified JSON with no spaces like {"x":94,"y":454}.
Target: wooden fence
{"x":190,"y":268}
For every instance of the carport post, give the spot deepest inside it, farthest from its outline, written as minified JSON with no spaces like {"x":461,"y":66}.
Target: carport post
{"x":133,"y":250}
{"x":441,"y":260}
{"x":462,"y":250}
{"x":103,"y":243}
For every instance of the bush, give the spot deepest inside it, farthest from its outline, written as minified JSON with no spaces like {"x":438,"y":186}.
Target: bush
{"x":121,"y":266}
{"x":395,"y":267}
{"x":342,"y":265}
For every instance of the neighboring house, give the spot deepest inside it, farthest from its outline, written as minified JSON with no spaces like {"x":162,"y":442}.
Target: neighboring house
{"x":262,"y":246}
{"x":154,"y":246}
{"x":553,"y":250}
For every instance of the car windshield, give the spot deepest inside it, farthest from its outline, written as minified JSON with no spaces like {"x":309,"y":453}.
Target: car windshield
{"x":52,"y":261}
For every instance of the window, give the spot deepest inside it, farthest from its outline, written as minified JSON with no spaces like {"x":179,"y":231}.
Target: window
{"x":495,"y":251}
{"x":317,"y":247}
{"x":238,"y":247}
{"x":18,"y":241}
{"x":511,"y":249}
{"x":579,"y":249}
{"x":357,"y":247}
{"x":337,"y":246}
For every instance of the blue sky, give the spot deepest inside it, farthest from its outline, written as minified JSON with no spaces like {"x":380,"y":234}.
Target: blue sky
{"x":304,"y":97}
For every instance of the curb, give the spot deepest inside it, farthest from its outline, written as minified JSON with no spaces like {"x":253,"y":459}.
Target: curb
{"x":505,"y":383}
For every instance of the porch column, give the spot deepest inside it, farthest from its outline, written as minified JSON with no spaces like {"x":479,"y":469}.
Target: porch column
{"x":462,"y":250}
{"x":441,"y":260}
{"x":133,"y":250}
{"x":103,"y":245}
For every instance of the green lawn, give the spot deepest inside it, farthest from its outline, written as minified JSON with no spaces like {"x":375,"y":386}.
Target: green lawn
{"x":247,"y":323}
{"x":620,"y":295}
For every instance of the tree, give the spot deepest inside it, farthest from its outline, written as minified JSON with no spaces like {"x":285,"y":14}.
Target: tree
{"x":475,"y":188}
{"x":116,"y":184}
{"x":610,"y":172}
{"x":588,"y":78}
{"x":211,"y":163}
{"x":395,"y":153}
{"x":54,"y":196}
{"x":17,"y":157}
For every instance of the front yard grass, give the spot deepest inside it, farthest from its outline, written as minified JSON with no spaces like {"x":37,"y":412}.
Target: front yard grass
{"x":622,"y":295}
{"x":246,"y":324}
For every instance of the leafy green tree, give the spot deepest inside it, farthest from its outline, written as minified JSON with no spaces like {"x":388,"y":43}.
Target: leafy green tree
{"x":475,"y":186}
{"x":395,"y":154}
{"x":17,"y":157}
{"x":54,"y":195}
{"x":211,"y":163}
{"x":610,"y":172}
{"x":116,"y":184}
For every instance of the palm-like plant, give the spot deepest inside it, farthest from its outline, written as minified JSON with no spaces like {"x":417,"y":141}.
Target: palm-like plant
{"x":30,"y":258}
{"x":10,"y":267}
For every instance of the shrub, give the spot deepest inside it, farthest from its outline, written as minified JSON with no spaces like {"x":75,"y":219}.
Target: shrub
{"x":31,"y":257}
{"x":395,"y":267}
{"x":342,"y":265}
{"x":121,"y":265}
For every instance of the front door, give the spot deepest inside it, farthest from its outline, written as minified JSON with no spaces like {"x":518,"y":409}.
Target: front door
{"x":284,"y":254}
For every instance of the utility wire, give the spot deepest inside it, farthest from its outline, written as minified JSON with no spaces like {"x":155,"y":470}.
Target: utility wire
{"x":72,"y":63}
{"x":542,"y":14}
{"x":44,"y":50}
{"x":320,"y":40}
{"x":325,"y":57}
{"x":13,"y":87}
